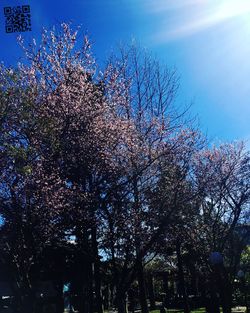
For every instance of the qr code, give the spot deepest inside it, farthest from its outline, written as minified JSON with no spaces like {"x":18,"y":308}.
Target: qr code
{"x":17,"y":19}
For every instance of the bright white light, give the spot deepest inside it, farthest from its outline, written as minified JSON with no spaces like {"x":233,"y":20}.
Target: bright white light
{"x":209,"y":40}
{"x":199,"y":15}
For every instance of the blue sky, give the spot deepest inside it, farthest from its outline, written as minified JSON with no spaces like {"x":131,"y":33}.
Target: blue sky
{"x":208,"y":41}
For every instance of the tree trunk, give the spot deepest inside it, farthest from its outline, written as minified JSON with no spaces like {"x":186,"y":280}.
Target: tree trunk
{"x":121,"y":302}
{"x":17,"y":301}
{"x":165,"y":279}
{"x":97,"y":276}
{"x":87,"y":300}
{"x":212,"y":304}
{"x":151,"y":291}
{"x":138,"y":265}
{"x":225,"y":290}
{"x":25,"y":297}
{"x":142,"y":289}
{"x":83,"y":273}
{"x":181,"y":278}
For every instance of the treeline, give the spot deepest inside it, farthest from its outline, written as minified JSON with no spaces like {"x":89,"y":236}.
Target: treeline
{"x":103,"y":166}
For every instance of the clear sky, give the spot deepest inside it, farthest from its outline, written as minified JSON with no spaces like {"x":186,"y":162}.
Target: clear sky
{"x":208,"y":41}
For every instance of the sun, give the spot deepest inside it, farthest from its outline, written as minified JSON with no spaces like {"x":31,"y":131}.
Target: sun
{"x":233,"y":8}
{"x":199,"y":15}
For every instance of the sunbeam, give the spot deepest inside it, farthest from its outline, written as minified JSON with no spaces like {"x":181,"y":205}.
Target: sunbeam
{"x":197,"y":16}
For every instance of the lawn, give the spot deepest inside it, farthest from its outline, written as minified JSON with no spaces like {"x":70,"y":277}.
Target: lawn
{"x":201,"y":310}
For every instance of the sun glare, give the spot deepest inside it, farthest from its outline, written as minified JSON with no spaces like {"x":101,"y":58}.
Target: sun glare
{"x":199,"y":15}
{"x":233,"y":8}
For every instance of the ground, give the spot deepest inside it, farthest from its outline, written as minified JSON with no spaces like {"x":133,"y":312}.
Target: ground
{"x":202,"y":310}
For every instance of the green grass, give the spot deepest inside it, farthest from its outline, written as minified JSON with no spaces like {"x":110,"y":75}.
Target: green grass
{"x":201,"y":310}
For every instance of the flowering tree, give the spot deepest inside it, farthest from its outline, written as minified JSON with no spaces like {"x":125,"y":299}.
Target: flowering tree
{"x":226,"y":201}
{"x":104,"y":158}
{"x":222,"y":177}
{"x":72,"y":130}
{"x":31,"y":196}
{"x":163,"y":140}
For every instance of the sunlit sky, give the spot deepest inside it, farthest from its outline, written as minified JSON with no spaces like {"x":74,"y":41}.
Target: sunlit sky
{"x":208,"y":41}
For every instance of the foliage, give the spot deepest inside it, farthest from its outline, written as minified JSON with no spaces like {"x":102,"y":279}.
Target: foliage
{"x":104,"y":163}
